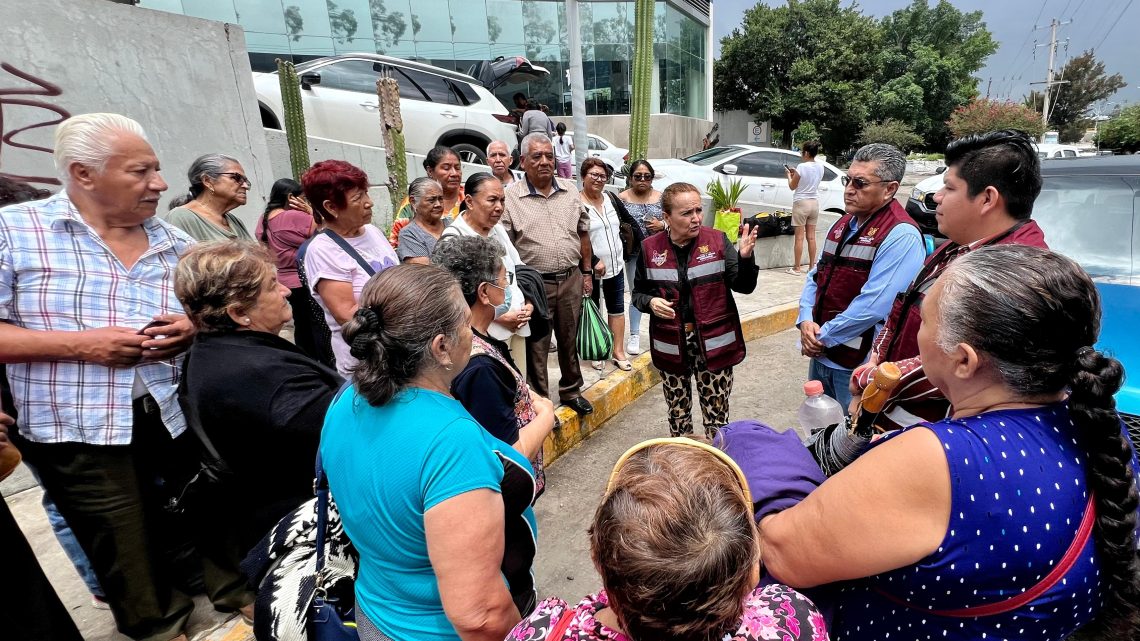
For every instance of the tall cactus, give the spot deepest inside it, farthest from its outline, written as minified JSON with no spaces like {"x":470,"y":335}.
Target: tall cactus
{"x":295,"y":133}
{"x":642,"y":79}
{"x":392,"y":129}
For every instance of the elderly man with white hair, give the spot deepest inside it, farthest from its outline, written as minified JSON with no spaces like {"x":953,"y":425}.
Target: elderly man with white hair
{"x":547,"y":224}
{"x":93,"y":336}
{"x":499,"y":160}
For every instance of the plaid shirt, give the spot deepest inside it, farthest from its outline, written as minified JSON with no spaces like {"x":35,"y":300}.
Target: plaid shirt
{"x":544,"y":229}
{"x":56,"y":274}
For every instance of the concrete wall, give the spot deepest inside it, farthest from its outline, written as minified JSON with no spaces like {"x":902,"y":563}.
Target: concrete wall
{"x":670,"y":136}
{"x":186,"y":80}
{"x":737,"y":128}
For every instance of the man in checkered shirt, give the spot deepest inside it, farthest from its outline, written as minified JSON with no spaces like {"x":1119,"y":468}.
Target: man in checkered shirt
{"x":93,"y":336}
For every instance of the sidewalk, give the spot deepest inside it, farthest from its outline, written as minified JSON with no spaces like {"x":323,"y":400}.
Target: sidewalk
{"x":775,"y":291}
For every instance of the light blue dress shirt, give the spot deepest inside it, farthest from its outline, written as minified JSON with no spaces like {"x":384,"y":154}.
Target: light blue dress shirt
{"x":896,"y":263}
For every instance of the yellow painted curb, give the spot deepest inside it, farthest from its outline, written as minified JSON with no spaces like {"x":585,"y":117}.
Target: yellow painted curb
{"x":614,"y":392}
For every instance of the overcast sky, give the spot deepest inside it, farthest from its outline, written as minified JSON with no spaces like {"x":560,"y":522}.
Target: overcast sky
{"x":1012,"y":22}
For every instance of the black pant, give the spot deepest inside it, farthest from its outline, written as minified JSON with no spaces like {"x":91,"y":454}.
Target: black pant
{"x":564,"y":300}
{"x":30,"y":610}
{"x":112,"y":496}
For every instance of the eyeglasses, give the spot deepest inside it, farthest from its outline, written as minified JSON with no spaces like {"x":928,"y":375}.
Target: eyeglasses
{"x":510,"y":281}
{"x":593,"y":176}
{"x":642,"y":176}
{"x":860,"y":183}
{"x":238,"y":178}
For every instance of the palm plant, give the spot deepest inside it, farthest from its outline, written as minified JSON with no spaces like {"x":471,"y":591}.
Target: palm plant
{"x":724,"y":197}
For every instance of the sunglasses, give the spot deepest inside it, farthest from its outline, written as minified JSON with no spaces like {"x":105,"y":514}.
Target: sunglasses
{"x":238,"y":178}
{"x":860,"y":183}
{"x":642,"y":176}
{"x":682,"y":442}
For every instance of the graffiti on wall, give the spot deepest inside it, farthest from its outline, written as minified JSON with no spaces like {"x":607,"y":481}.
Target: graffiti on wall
{"x":27,"y":97}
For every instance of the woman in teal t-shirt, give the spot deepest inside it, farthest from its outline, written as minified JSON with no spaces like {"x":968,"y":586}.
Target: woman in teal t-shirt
{"x":423,"y":491}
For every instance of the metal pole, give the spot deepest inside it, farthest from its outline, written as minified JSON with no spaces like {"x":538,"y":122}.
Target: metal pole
{"x":577,"y":84}
{"x":1049,"y":79}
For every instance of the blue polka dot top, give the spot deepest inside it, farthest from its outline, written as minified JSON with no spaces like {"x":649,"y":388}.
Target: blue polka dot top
{"x":1018,"y":496}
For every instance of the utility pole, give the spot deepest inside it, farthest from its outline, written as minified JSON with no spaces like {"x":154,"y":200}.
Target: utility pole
{"x":577,"y":85}
{"x":988,"y":83}
{"x":1049,"y":82}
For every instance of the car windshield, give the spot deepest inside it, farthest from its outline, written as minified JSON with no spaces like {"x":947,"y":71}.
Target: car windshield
{"x":711,"y":156}
{"x":1064,"y":210}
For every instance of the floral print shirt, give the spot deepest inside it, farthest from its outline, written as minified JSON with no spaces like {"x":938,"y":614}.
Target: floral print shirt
{"x":774,"y":612}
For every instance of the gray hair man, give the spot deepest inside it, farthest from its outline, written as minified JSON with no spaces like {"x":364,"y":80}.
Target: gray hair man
{"x":869,"y":255}
{"x":545,"y":221}
{"x":499,"y":159}
{"x":92,"y":336}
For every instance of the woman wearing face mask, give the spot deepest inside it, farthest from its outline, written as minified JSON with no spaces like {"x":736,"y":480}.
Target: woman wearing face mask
{"x":491,"y":387}
{"x":483,"y":207}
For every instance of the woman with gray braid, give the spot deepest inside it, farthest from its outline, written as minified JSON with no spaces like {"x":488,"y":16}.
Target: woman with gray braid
{"x":1016,"y":516}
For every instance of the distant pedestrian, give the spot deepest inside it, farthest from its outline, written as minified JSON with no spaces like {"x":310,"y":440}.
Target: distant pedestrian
{"x":218,"y":185}
{"x":804,"y":180}
{"x":534,"y":121}
{"x":563,"y":151}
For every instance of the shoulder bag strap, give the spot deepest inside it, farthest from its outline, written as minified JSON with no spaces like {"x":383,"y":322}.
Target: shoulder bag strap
{"x":559,"y":631}
{"x":351,"y":251}
{"x":1008,"y":605}
{"x":321,"y":488}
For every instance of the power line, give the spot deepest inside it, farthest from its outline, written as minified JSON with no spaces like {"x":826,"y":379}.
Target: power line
{"x":1113,"y":25}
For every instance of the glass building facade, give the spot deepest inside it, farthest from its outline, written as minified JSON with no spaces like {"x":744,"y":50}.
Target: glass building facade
{"x":455,"y":34}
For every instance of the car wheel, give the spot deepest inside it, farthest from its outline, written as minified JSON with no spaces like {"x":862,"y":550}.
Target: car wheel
{"x":470,"y":154}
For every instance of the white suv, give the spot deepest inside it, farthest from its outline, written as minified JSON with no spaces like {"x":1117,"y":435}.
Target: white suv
{"x":439,"y":107}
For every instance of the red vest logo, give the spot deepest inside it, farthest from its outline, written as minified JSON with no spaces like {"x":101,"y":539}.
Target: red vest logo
{"x":659,"y":258}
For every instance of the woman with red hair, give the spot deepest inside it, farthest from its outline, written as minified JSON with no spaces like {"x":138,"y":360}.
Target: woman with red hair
{"x":340,"y":259}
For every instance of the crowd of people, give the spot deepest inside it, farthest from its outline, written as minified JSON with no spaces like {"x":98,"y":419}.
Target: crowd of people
{"x":171,"y":426}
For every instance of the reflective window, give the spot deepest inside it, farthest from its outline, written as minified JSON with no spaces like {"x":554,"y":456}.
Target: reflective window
{"x":436,"y":88}
{"x":349,"y":75}
{"x":1066,"y":210}
{"x":759,"y":165}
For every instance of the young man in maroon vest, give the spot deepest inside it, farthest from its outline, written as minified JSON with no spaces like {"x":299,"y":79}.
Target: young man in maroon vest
{"x":991,"y":182}
{"x":869,"y":255}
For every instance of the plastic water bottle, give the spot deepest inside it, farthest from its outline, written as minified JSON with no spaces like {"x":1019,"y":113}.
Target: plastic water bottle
{"x":817,"y":410}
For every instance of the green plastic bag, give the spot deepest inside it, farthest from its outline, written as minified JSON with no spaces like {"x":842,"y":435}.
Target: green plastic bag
{"x":595,"y":340}
{"x":728,"y":221}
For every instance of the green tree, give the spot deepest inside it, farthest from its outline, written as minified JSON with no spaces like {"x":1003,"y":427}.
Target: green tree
{"x":892,"y":132}
{"x":984,"y":115}
{"x":1085,"y":82}
{"x":1123,"y":131}
{"x":926,"y":67}
{"x":808,"y":61}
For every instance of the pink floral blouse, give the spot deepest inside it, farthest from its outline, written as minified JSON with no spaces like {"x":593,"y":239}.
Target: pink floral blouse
{"x":774,"y":612}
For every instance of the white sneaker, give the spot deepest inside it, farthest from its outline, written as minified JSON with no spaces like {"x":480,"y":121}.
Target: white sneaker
{"x":633,"y":345}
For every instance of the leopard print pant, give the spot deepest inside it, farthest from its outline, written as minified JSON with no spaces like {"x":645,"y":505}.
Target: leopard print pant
{"x":714,"y":389}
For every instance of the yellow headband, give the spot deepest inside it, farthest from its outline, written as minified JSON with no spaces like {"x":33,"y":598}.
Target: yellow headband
{"x":683,"y":442}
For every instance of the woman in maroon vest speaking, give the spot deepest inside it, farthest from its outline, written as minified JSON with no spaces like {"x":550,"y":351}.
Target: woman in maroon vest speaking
{"x":683,"y":281}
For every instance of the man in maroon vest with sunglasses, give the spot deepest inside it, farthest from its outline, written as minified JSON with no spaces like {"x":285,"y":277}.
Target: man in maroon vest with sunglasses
{"x":869,"y":255}
{"x":991,"y":182}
